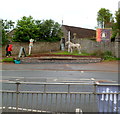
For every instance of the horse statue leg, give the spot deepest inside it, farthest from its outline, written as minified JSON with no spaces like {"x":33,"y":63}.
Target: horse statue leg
{"x":68,"y":48}
{"x":79,"y":50}
{"x":71,"y":50}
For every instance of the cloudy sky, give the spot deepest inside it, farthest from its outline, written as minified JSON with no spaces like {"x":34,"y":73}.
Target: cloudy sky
{"x":80,"y":13}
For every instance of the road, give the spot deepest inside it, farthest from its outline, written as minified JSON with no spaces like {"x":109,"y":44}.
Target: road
{"x":101,"y":72}
{"x":105,"y":71}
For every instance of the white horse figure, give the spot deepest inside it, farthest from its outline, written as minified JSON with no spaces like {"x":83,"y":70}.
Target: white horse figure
{"x":72,"y":45}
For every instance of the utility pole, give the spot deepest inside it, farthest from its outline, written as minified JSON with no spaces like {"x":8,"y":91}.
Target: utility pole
{"x":118,"y":4}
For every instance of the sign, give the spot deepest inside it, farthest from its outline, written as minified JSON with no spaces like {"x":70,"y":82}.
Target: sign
{"x":103,"y":34}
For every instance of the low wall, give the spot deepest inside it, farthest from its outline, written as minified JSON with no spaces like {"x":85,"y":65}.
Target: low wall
{"x":88,"y":46}
{"x":38,"y":47}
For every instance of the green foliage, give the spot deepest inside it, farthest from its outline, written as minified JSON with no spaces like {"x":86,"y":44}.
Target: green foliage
{"x":118,"y":19}
{"x":106,"y":56}
{"x":4,"y":38}
{"x":7,"y":60}
{"x":28,"y":28}
{"x":116,"y":25}
{"x":104,"y":17}
{"x":6,"y":27}
{"x":25,"y":29}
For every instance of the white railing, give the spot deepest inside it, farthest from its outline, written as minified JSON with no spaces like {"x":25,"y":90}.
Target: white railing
{"x":61,"y":97}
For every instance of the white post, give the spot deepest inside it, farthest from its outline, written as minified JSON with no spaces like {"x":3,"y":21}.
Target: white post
{"x":69,"y":41}
{"x":69,"y":36}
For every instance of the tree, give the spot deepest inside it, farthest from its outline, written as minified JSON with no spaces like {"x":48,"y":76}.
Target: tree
{"x":104,"y":17}
{"x":50,"y":31}
{"x":6,"y":27}
{"x":116,"y":25}
{"x":117,"y":14}
{"x":46,"y":30}
{"x":25,"y":29}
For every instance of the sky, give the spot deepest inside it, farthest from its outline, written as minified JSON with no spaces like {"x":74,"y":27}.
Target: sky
{"x":79,"y":13}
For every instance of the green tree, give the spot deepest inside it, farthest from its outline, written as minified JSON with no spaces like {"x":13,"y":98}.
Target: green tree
{"x":25,"y":29}
{"x":117,"y":17}
{"x":116,"y":25}
{"x":104,"y":17}
{"x":46,"y":30}
{"x":6,"y":27}
{"x":50,"y":31}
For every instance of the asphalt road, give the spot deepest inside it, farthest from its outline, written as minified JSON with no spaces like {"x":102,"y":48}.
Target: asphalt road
{"x":103,"y":72}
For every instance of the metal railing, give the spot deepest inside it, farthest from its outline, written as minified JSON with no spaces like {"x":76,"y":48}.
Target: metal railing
{"x":61,"y":97}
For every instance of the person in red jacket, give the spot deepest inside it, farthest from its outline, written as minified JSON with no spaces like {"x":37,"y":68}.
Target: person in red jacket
{"x":8,"y":50}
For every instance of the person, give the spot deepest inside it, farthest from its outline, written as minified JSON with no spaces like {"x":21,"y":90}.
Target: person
{"x":8,"y":49}
{"x":7,"y":53}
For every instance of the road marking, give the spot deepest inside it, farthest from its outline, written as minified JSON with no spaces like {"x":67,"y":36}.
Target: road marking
{"x":63,"y":70}
{"x":23,"y":109}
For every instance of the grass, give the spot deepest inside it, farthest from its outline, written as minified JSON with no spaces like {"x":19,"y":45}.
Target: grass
{"x":74,"y":53}
{"x":106,"y":56}
{"x":8,"y":59}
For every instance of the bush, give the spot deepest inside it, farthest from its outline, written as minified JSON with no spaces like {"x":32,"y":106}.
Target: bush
{"x":108,"y":56}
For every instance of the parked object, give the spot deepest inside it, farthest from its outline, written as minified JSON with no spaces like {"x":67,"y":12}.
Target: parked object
{"x":17,"y":61}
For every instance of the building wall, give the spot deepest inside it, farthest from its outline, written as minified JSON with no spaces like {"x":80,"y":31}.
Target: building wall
{"x":65,"y":35}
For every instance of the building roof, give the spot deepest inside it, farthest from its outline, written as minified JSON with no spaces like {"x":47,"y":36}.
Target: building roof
{"x":80,"y":32}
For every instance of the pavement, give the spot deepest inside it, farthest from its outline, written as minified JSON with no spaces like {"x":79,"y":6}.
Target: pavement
{"x":60,"y":60}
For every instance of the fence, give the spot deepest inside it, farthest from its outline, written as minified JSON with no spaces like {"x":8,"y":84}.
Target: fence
{"x":61,"y":97}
